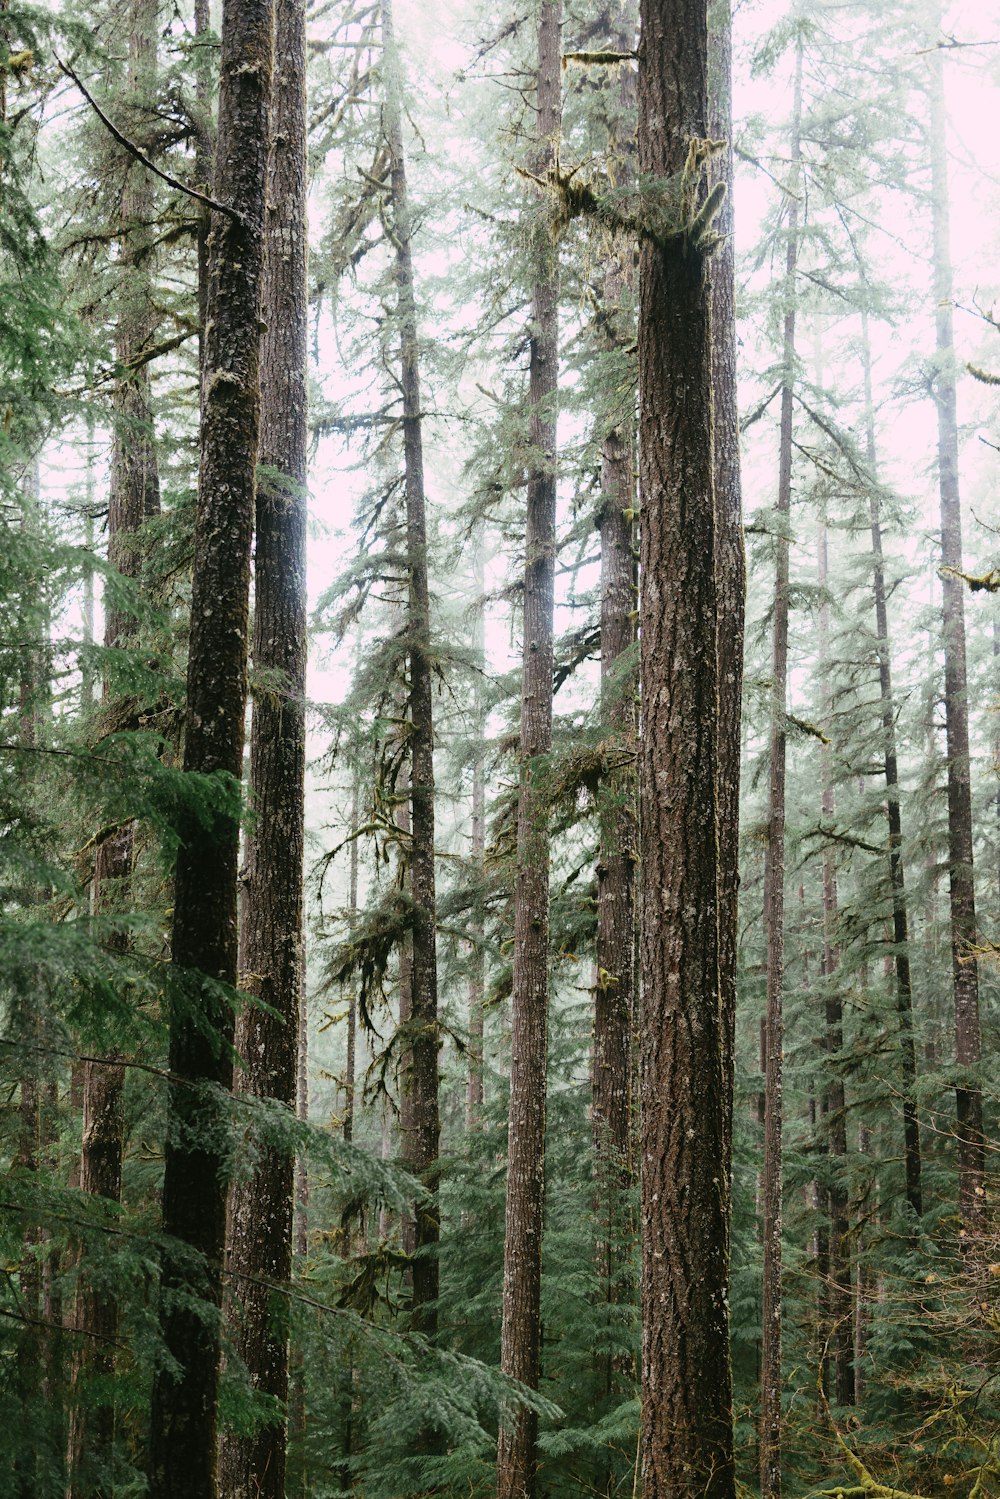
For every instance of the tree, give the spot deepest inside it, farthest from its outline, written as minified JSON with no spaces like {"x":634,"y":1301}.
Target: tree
{"x":686,"y":1438}
{"x":183,"y":1414}
{"x":271,"y":931}
{"x":521,"y":1314}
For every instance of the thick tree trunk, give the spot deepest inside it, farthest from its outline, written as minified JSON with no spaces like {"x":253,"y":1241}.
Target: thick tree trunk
{"x":730,"y":557}
{"x":841,"y":1299}
{"x":965,"y":970}
{"x":897,"y":881}
{"x":271,"y":935}
{"x":520,"y":1342}
{"x":421,"y":1080}
{"x":686,"y":1438}
{"x":183,"y":1418}
{"x":774,"y":867}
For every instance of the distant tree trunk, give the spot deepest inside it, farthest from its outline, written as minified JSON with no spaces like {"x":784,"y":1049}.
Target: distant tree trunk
{"x":475,"y":1088}
{"x":203,"y":159}
{"x":965,"y":970}
{"x":730,"y":557}
{"x":686,"y":1436}
{"x":134,"y":495}
{"x":520,"y":1339}
{"x":350,"y":1065}
{"x":774,"y":865}
{"x":183,"y":1417}
{"x":271,"y":935}
{"x":900,"y":915}
{"x":422,"y":1078}
{"x":841,"y":1299}
{"x":614,"y":991}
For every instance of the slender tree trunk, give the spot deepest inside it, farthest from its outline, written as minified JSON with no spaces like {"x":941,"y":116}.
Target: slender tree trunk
{"x":614,"y":990}
{"x":774,"y":865}
{"x":183,"y":1418}
{"x":841,"y":1294}
{"x":897,"y":881}
{"x":350,"y":1065}
{"x":422,"y":1078}
{"x":520,"y":1339}
{"x":730,"y":558}
{"x":686,"y":1436}
{"x":474,"y":1088}
{"x":271,"y":936}
{"x":134,"y":496}
{"x":965,"y":970}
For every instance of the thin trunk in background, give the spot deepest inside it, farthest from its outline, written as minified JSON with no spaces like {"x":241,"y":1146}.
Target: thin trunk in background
{"x":421,"y":1078}
{"x":520,"y":1338}
{"x":965,"y":969}
{"x":350,"y":1063}
{"x":774,"y":861}
{"x":184,"y":1405}
{"x":841,"y":1296}
{"x":134,"y":495}
{"x":271,"y":934}
{"x":897,"y":880}
{"x":686,"y":1430}
{"x":475,"y":1082}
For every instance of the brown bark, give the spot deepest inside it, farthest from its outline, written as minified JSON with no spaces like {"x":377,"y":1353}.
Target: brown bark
{"x":774,"y":867}
{"x":183,"y":1419}
{"x":421,"y":1080}
{"x":897,"y":880}
{"x":271,"y":935}
{"x":520,"y":1339}
{"x":841,"y":1299}
{"x":965,"y":970}
{"x":730,"y":557}
{"x":686,"y":1437}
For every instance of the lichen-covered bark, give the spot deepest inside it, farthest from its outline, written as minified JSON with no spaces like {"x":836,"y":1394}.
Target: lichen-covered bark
{"x":271,"y":917}
{"x":520,"y":1338}
{"x":183,"y":1416}
{"x":774,"y":869}
{"x":686,"y":1427}
{"x":965,"y":970}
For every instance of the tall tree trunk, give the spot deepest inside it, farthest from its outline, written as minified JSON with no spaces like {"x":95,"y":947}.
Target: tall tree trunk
{"x":134,"y":496}
{"x":183,"y":1418}
{"x":965,"y":970}
{"x":520,"y":1338}
{"x":475,"y":1087}
{"x":774,"y":864}
{"x":350,"y":1064}
{"x":730,"y":557}
{"x":422,"y":1077}
{"x":614,"y":991}
{"x":271,"y":935}
{"x":841,"y":1299}
{"x":897,"y":881}
{"x":686,"y":1437}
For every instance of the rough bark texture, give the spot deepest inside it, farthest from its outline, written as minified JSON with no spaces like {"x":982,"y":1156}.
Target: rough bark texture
{"x":897,"y":880}
{"x":421,"y":1079}
{"x":730,"y":556}
{"x":271,"y":934}
{"x":520,"y":1340}
{"x":965,"y":970}
{"x":134,"y":494}
{"x":686,"y":1438}
{"x":774,"y":871}
{"x":840,"y":1299}
{"x":183,"y":1418}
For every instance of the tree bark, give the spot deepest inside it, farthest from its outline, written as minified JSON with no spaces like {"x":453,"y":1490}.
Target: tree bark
{"x":965,"y":970}
{"x":421,"y":1079}
{"x":686,"y":1436}
{"x":271,"y":935}
{"x":897,"y":880}
{"x":183,"y":1419}
{"x":475,"y":1085}
{"x":520,"y":1338}
{"x":774,"y":865}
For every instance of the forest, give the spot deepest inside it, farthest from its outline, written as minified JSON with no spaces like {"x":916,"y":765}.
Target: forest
{"x":499,"y":749}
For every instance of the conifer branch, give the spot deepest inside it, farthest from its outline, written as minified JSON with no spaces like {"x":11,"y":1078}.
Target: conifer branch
{"x":140,"y":155}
